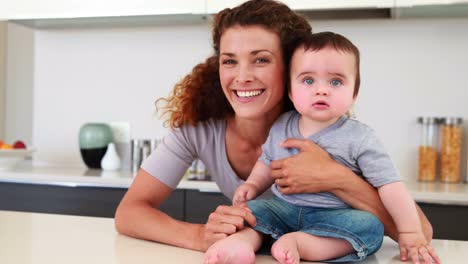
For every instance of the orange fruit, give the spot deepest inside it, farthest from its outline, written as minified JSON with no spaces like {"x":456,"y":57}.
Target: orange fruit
{"x":6,"y":146}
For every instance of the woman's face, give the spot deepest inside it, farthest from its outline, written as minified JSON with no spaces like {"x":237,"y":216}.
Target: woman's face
{"x":251,"y":70}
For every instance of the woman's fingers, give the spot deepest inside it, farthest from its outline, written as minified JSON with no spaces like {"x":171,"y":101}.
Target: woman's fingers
{"x":277,"y":164}
{"x":224,"y":221}
{"x":285,"y":190}
{"x":223,"y":228}
{"x":301,"y":144}
{"x":235,"y":215}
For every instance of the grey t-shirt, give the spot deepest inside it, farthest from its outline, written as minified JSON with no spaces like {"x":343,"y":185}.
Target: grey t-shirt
{"x":181,"y":146}
{"x":348,"y":141}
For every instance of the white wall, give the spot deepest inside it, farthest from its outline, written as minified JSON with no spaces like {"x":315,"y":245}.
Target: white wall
{"x":408,"y":68}
{"x":107,"y":75}
{"x":19,"y":84}
{"x":2,"y":77}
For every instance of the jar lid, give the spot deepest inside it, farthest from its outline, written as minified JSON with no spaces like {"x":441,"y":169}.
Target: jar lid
{"x":428,"y":120}
{"x":451,"y":120}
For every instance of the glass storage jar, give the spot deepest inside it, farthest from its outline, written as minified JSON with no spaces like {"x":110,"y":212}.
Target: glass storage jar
{"x":427,"y":165}
{"x":450,"y":152}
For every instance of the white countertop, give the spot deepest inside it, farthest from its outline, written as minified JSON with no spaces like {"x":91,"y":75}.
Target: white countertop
{"x":46,"y":238}
{"x":436,"y":192}
{"x":83,"y":177}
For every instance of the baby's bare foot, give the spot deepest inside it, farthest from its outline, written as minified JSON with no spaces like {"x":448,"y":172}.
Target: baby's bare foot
{"x":229,"y":251}
{"x":285,"y":250}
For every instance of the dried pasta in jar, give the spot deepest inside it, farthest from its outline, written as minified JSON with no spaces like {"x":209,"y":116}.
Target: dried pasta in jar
{"x":450,"y":152}
{"x":427,"y":151}
{"x":427,"y":163}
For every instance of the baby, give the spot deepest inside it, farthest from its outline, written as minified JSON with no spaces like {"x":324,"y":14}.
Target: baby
{"x":324,"y":83}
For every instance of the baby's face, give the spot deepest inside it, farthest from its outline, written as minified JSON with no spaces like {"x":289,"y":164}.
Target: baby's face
{"x":322,"y":83}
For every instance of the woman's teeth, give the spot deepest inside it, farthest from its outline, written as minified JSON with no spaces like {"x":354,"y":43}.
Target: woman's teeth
{"x":246,"y":94}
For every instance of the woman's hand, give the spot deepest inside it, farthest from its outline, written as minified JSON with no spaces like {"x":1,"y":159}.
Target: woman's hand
{"x":308,"y":171}
{"x":312,"y":170}
{"x":224,"y":221}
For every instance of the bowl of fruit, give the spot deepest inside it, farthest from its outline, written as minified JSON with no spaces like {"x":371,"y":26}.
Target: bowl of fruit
{"x":12,"y":154}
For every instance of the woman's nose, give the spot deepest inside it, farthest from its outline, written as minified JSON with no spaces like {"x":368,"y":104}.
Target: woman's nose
{"x":244,"y":73}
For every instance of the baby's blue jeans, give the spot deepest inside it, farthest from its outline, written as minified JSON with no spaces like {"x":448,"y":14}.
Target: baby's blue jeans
{"x":276,"y":217}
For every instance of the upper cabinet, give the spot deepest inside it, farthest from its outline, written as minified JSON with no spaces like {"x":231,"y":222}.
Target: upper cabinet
{"x":430,"y":8}
{"x":72,"y":12}
{"x":411,"y":3}
{"x":214,"y":6}
{"x":38,"y":9}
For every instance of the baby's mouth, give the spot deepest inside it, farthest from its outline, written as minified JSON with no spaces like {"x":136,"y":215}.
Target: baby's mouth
{"x":249,"y":93}
{"x":320,"y":103}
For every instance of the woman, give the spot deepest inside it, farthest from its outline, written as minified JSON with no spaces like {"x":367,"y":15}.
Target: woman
{"x":221,"y":113}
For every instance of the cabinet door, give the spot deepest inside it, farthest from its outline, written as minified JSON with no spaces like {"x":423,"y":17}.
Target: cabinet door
{"x":174,"y":205}
{"x":84,"y":201}
{"x":35,"y":9}
{"x":199,"y":205}
{"x":448,"y":221}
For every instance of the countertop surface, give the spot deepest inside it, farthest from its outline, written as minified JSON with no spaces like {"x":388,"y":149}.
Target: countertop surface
{"x":434,"y":192}
{"x":47,"y":238}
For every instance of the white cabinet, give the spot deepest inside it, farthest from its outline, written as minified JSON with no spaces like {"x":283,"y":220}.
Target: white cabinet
{"x":213,"y":6}
{"x":36,"y":9}
{"x":430,"y":8}
{"x":410,"y":3}
{"x":77,"y":9}
{"x":337,"y":4}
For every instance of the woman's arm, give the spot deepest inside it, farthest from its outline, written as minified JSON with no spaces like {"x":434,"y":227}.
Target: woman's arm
{"x":137,"y":216}
{"x":312,"y":170}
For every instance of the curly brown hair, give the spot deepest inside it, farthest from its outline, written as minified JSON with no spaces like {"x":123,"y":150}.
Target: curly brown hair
{"x":199,"y":96}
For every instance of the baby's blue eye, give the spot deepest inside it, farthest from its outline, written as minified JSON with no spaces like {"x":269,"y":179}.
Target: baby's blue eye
{"x":308,"y":81}
{"x":335,"y":82}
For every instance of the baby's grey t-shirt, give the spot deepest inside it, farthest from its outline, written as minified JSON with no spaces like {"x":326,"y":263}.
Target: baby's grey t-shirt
{"x":206,"y":141}
{"x":348,"y":141}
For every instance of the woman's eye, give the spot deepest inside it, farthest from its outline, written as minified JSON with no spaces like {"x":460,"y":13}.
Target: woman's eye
{"x":308,"y":81}
{"x":228,"y":61}
{"x":261,"y":60}
{"x":336,"y":83}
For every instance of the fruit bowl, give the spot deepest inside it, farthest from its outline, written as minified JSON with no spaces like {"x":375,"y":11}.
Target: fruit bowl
{"x":9,"y":158}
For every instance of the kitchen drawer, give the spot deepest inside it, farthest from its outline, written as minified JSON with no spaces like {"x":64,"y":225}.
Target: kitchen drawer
{"x":448,"y":221}
{"x":85,"y":201}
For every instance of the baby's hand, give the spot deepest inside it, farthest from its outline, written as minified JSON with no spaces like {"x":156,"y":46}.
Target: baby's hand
{"x":244,"y":193}
{"x":413,"y":245}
